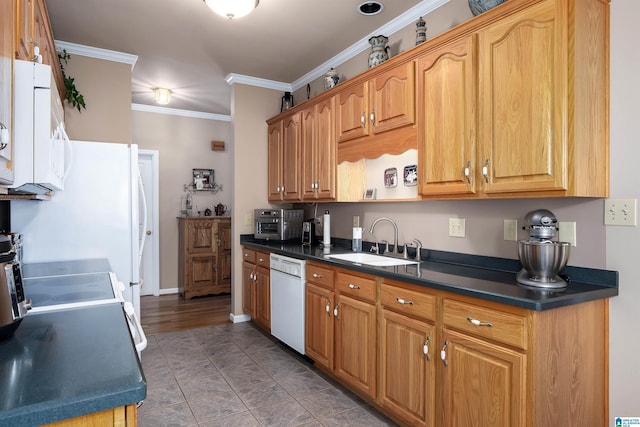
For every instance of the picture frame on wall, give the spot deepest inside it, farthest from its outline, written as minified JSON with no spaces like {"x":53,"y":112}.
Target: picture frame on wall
{"x":203,"y":179}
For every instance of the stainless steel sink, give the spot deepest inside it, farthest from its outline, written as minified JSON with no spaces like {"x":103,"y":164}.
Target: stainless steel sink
{"x":371,"y":259}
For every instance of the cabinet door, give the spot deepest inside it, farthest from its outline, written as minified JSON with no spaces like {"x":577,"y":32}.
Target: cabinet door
{"x":393,"y":98}
{"x":223,"y":236}
{"x":201,"y":271}
{"x":263,"y":298}
{"x":319,"y":304}
{"x":447,"y":103}
{"x":483,"y":383}
{"x":407,"y":368}
{"x":6,"y":86}
{"x":24,"y":29}
{"x":248,"y":289}
{"x":201,"y":236}
{"x":274,"y":157}
{"x":352,"y":111}
{"x":309,"y":147}
{"x":325,"y":160}
{"x":355,"y":341}
{"x":291,"y":161}
{"x":522,"y":96}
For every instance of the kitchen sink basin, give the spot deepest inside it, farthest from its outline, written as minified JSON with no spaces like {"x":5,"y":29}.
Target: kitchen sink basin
{"x":372,"y":259}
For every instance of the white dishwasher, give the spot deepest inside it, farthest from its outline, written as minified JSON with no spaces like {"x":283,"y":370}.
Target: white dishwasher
{"x":287,"y":300}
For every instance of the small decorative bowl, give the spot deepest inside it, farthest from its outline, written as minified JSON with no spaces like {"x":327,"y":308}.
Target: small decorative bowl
{"x":479,"y":6}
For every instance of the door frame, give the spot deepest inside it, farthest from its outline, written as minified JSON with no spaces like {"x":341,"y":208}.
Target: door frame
{"x":153,"y":243}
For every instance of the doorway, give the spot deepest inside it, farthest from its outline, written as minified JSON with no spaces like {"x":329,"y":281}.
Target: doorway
{"x":148,"y":163}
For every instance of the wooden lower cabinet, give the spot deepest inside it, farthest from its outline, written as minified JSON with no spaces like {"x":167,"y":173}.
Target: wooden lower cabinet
{"x":355,"y":344}
{"x":122,"y":416}
{"x":204,"y":266}
{"x":431,"y":358}
{"x":483,"y":383}
{"x":256,"y":287}
{"x":407,"y":368}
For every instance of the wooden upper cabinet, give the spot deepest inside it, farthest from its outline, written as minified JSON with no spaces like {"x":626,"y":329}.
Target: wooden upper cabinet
{"x":385,"y":102}
{"x":24,"y":29}
{"x":523,"y":88}
{"x":319,"y":151}
{"x":446,"y":118}
{"x":274,"y":158}
{"x":393,"y":98}
{"x":291,"y":157}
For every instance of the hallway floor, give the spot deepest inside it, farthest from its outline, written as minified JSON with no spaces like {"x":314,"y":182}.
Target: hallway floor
{"x":234,"y":375}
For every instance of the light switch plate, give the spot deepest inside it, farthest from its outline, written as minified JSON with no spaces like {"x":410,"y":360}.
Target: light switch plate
{"x":620,"y":212}
{"x":456,"y":227}
{"x":567,"y":232}
{"x":511,"y":230}
{"x":248,"y":218}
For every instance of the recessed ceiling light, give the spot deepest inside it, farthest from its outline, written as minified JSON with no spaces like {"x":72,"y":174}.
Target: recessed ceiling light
{"x":370,"y":8}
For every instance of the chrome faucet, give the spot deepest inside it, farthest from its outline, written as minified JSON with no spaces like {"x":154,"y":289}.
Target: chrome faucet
{"x":418,"y":244}
{"x":395,"y":231}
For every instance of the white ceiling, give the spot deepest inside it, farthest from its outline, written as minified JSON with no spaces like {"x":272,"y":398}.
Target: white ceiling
{"x":184,"y":46}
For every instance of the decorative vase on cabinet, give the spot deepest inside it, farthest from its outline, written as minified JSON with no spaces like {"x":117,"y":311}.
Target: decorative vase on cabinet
{"x":480,"y":6}
{"x":379,"y":50}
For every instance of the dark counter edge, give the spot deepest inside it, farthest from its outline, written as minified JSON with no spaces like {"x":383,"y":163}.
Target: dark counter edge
{"x":603,"y":282}
{"x":43,"y":413}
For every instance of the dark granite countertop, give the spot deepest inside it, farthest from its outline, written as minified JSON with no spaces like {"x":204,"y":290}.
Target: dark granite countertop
{"x":68,"y":363}
{"x":488,"y":278}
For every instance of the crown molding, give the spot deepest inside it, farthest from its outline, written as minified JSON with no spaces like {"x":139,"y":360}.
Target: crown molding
{"x":183,"y":113}
{"x":234,"y":78}
{"x":393,"y":26}
{"x":96,"y":52}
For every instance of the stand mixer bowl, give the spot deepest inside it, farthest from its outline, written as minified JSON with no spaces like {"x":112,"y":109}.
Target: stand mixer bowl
{"x":544,"y":259}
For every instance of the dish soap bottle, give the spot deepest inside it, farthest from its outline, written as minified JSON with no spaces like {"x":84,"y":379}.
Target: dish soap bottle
{"x":356,"y":242}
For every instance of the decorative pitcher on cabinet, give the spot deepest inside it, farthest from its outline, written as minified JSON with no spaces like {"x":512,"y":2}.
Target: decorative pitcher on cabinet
{"x":379,"y":50}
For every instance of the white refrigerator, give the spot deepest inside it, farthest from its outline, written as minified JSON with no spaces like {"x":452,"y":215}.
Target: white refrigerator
{"x":95,"y":216}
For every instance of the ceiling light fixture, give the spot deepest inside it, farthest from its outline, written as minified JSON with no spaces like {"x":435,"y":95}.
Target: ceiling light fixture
{"x":232,"y":8}
{"x":369,"y":8}
{"x":161,"y":95}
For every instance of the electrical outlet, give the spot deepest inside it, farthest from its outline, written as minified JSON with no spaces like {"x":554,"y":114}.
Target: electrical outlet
{"x":511,"y":230}
{"x":567,"y":232}
{"x":456,"y":227}
{"x":620,"y":212}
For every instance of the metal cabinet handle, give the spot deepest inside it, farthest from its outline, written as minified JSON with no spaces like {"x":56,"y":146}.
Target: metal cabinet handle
{"x":425,"y":348}
{"x":485,"y":170}
{"x":317,"y":276}
{"x":363,"y":121}
{"x":335,"y":312}
{"x":372,"y":117}
{"x":246,"y":255}
{"x":443,"y":353}
{"x":402,"y":301}
{"x":478,"y":322}
{"x":4,"y":136}
{"x":467,"y":172}
{"x":352,"y":286}
{"x":328,"y":307}
{"x":261,"y":260}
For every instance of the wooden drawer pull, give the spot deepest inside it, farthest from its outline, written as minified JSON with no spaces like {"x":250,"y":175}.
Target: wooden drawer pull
{"x":402,"y":301}
{"x":352,"y":286}
{"x":317,"y":276}
{"x":478,"y":323}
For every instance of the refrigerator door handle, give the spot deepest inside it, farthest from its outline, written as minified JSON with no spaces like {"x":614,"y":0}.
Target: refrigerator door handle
{"x":143,"y":234}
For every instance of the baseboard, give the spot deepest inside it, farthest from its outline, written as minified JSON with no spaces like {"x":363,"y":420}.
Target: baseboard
{"x":238,"y":318}
{"x":168,"y":291}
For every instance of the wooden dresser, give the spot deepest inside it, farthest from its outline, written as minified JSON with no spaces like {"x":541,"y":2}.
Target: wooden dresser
{"x":204,"y":266}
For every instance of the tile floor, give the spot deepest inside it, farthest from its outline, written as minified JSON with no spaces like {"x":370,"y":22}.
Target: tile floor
{"x":234,"y":375}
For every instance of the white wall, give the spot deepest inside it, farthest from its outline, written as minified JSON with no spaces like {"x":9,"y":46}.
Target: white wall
{"x":623,"y":243}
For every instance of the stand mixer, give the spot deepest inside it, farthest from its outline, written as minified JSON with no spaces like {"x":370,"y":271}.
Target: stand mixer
{"x":541,"y":257}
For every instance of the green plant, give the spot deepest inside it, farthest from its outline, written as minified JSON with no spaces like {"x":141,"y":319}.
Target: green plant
{"x":74,"y":97}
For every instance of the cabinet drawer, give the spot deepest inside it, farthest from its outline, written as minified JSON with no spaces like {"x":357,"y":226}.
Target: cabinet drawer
{"x":360,"y":287}
{"x":497,"y":325}
{"x":320,"y":275}
{"x":408,"y":301}
{"x":249,"y":255}
{"x":262,"y":259}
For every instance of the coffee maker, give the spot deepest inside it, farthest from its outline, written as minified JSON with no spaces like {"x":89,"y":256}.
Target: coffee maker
{"x":308,"y":233}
